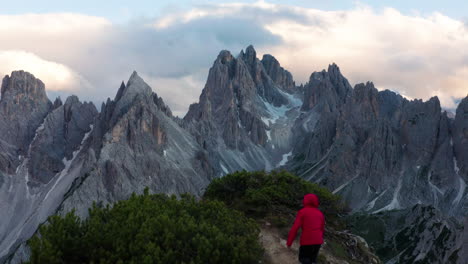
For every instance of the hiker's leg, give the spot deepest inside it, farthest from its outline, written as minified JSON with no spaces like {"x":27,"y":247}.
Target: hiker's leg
{"x":314,"y":253}
{"x":305,"y":254}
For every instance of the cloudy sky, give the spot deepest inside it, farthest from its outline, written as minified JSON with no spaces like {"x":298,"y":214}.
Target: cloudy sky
{"x":417,"y":48}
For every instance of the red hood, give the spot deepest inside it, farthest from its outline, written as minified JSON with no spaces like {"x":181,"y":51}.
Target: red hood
{"x":311,"y":200}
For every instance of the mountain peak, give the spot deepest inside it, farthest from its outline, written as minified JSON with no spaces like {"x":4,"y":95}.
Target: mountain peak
{"x":57,"y":103}
{"x":72,"y":99}
{"x":21,"y":82}
{"x":250,"y":50}
{"x":135,"y":85}
{"x":121,"y":91}
{"x":278,"y":74}
{"x":333,"y":68}
{"x":224,"y":56}
{"x":133,"y":78}
{"x":249,"y":56}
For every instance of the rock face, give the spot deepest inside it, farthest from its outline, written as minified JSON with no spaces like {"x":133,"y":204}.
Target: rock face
{"x":381,"y":152}
{"x":23,"y":106}
{"x":415,"y":235}
{"x":244,"y":117}
{"x":39,"y":143}
{"x":136,"y":143}
{"x":58,"y":137}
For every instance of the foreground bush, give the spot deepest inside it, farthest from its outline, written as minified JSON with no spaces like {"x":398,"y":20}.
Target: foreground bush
{"x":275,"y":196}
{"x":150,"y":229}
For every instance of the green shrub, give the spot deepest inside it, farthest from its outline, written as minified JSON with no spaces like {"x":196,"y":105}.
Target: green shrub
{"x":275,"y":196}
{"x":150,"y":229}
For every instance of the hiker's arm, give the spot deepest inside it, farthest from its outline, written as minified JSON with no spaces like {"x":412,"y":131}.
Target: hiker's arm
{"x":294,"y":228}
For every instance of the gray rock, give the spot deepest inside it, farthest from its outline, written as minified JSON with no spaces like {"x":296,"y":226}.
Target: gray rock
{"x":140,"y":145}
{"x":61,"y":135}
{"x":278,"y":74}
{"x":244,"y":118}
{"x":379,"y":151}
{"x":23,"y":107}
{"x":420,"y":234}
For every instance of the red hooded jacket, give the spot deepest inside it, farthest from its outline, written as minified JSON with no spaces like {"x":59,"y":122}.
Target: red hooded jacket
{"x":312,"y":222}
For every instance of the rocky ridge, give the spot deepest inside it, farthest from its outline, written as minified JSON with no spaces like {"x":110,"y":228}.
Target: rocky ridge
{"x":379,"y":151}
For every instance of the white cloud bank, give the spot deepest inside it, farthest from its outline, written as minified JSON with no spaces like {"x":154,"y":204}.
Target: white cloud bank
{"x":57,"y":77}
{"x":416,"y":56}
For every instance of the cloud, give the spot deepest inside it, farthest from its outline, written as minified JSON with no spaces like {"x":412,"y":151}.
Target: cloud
{"x":414,"y":55}
{"x":57,"y":77}
{"x":417,"y":56}
{"x":173,"y":59}
{"x":179,"y":93}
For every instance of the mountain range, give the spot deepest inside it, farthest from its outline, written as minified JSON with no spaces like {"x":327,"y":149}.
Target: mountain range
{"x":401,"y":162}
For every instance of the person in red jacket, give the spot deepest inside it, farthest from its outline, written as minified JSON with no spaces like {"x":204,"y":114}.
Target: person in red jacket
{"x":312,"y":222}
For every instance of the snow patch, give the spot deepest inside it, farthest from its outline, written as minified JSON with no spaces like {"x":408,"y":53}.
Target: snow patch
{"x":224,"y":168}
{"x":293,"y":100}
{"x":462,"y":184}
{"x":371,"y":204}
{"x":394,"y":204}
{"x":434,"y":188}
{"x":164,"y":153}
{"x":284,"y":159}
{"x":420,"y":256}
{"x":268,"y":132}
{"x":344,"y":185}
{"x":274,"y":112}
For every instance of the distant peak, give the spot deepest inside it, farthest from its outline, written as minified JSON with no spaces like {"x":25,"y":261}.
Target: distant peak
{"x":463,"y":105}
{"x":20,"y":74}
{"x":57,"y":103}
{"x":133,"y":77}
{"x":72,"y":99}
{"x":250,"y":55}
{"x":135,"y":85}
{"x":250,"y":50}
{"x":333,"y":69}
{"x":368,"y":85}
{"x":22,"y":82}
{"x":270,"y":58}
{"x":225,"y":56}
{"x":121,"y":90}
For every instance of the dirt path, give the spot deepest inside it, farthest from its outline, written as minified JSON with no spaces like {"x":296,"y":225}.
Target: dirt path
{"x":276,"y":251}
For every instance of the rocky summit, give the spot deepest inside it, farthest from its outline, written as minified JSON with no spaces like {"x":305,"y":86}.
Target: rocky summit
{"x":398,"y":163}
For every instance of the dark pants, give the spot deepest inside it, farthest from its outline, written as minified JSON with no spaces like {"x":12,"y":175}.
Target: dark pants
{"x":308,"y":254}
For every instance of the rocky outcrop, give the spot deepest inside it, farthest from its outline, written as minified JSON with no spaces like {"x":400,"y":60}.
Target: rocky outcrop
{"x":137,"y":144}
{"x":58,"y":138}
{"x":377,"y":149}
{"x":244,"y":116}
{"x":278,"y":74}
{"x":415,"y":235}
{"x":44,"y":172}
{"x":23,"y":107}
{"x":460,"y":139}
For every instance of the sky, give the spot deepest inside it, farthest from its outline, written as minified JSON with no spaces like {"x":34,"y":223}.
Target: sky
{"x":416,"y":48}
